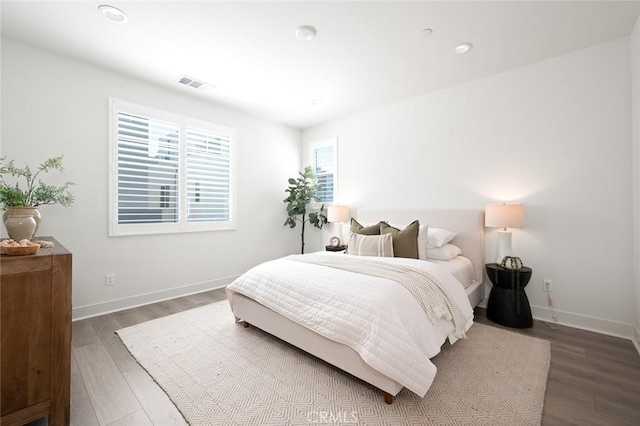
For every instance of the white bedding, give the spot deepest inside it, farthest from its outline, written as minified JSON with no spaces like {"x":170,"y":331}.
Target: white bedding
{"x":460,"y":267}
{"x":376,"y":317}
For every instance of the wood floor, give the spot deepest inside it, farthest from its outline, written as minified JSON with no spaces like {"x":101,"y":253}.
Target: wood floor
{"x":594,"y":379}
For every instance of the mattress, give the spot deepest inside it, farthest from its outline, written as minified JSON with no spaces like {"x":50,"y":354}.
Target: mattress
{"x":460,"y":267}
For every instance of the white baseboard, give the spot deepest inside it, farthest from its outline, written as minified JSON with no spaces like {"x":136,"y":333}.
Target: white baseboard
{"x":115,"y":305}
{"x":586,"y":322}
{"x":636,"y":339}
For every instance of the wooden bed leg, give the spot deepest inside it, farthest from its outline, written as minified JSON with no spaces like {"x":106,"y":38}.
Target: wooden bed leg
{"x":246,"y":324}
{"x":388,"y":398}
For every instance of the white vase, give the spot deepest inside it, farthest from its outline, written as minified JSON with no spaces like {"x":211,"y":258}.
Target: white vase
{"x":20,"y":227}
{"x":22,"y":211}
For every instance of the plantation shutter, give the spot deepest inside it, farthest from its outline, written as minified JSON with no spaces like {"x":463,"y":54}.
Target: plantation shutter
{"x":147,"y":170}
{"x":324,"y":168}
{"x":209,"y":176}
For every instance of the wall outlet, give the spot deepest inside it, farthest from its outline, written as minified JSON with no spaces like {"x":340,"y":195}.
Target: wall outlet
{"x":110,"y":279}
{"x":547,"y":285}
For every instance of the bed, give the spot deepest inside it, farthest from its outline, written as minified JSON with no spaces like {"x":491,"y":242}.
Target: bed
{"x":469,"y":226}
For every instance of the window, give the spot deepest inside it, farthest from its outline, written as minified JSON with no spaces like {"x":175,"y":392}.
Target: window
{"x":169,"y":173}
{"x":324,"y":154}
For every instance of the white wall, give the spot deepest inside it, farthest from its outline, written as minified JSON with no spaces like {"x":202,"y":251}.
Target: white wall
{"x":635,"y":81}
{"x":52,"y":106}
{"x":555,"y":135}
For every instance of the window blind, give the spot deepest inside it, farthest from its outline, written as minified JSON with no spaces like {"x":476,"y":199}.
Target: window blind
{"x":148,"y":153}
{"x":169,"y":173}
{"x":324,"y":167}
{"x":209,"y":183}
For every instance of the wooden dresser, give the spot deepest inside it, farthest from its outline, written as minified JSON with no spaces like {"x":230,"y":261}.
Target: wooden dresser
{"x":35,"y":314}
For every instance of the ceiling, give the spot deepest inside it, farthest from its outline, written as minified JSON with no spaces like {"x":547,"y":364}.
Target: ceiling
{"x":365,"y":54}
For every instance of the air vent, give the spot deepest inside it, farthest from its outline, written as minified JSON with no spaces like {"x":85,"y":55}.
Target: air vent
{"x":196,"y":84}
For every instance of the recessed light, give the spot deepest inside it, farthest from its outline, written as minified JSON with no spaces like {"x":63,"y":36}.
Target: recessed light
{"x":462,"y":48}
{"x":306,"y":32}
{"x":316,"y":102}
{"x":427,"y":32}
{"x":113,"y":13}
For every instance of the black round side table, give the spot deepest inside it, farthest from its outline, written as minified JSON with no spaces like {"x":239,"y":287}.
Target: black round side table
{"x":508,"y":305}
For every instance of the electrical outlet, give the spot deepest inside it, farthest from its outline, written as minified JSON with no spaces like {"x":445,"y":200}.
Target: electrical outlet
{"x":547,"y":285}
{"x":110,"y":279}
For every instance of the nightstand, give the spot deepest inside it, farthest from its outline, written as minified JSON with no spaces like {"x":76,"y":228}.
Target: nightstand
{"x":335,"y":248}
{"x":508,"y":305}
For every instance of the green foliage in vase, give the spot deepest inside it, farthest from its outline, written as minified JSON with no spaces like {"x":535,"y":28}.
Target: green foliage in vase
{"x":301,"y":192}
{"x":35,"y":193}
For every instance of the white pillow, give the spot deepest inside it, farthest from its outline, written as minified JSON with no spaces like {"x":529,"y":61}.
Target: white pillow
{"x":438,"y":237}
{"x":371,"y":245}
{"x":446,"y":252}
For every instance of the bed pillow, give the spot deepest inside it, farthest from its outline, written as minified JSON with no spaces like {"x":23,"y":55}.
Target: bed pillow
{"x":356,"y":228}
{"x":446,"y":252}
{"x":438,"y":237}
{"x":405,"y":242}
{"x":371,"y":245}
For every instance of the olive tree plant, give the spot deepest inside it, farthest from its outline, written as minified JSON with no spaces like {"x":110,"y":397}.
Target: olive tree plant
{"x":301,"y":192}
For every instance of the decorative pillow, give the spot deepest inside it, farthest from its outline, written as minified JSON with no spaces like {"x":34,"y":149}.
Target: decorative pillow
{"x":423,"y":233}
{"x":405,"y":242}
{"x":371,"y":245}
{"x":446,"y":252}
{"x":438,"y":237}
{"x":356,"y":228}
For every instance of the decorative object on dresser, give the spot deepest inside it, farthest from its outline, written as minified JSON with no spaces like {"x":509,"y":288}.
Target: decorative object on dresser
{"x":35,"y":310}
{"x":19,"y":204}
{"x":504,"y":216}
{"x":508,"y":303}
{"x":302,"y":191}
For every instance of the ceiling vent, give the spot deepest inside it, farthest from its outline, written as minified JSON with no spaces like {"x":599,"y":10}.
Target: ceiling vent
{"x":196,"y":84}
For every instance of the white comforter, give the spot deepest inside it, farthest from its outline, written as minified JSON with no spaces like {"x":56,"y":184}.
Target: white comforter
{"x":376,"y":317}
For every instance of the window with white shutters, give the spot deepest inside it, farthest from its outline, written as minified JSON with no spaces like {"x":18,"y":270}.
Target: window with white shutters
{"x":169,"y":173}
{"x":324,"y":163}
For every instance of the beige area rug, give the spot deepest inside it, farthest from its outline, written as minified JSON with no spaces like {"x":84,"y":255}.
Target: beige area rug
{"x":219,"y":373}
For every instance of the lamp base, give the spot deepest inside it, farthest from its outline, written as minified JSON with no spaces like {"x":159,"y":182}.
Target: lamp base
{"x":504,"y":245}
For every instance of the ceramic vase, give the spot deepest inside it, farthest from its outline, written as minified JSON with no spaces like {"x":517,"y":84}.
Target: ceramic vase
{"x":20,"y":227}
{"x":23,"y":211}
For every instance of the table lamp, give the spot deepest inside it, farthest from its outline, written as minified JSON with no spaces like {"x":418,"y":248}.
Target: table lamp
{"x":504,"y":216}
{"x":337,"y":214}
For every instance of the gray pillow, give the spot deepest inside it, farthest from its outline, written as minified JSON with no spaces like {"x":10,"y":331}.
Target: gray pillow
{"x":356,"y":228}
{"x":405,"y":242}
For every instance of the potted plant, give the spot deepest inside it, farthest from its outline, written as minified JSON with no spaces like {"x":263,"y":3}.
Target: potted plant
{"x":24,"y":201}
{"x":514,"y":264}
{"x":301,"y":192}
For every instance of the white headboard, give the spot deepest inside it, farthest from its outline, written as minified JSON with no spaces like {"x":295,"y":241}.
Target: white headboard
{"x":469,"y":224}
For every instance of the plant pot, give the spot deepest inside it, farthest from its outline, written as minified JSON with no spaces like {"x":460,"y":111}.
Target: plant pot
{"x":20,"y":227}
{"x":23,"y":211}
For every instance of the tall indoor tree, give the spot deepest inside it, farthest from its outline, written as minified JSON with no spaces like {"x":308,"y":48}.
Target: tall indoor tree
{"x":301,"y":192}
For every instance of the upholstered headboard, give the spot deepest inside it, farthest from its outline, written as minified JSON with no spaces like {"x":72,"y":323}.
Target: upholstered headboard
{"x":468,"y":223}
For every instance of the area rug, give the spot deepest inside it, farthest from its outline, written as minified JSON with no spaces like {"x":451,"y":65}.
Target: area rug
{"x":218,"y":373}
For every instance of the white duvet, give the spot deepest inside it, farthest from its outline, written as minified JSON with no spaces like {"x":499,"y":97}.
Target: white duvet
{"x":376,"y":317}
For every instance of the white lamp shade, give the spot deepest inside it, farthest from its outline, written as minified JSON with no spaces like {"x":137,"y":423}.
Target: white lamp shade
{"x":504,"y":216}
{"x":337,"y":213}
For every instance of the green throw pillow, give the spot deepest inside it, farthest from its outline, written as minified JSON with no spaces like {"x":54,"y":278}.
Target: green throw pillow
{"x":356,"y":228}
{"x":405,"y":242}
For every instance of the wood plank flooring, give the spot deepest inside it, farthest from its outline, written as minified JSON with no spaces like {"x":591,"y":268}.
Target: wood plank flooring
{"x":594,"y":379}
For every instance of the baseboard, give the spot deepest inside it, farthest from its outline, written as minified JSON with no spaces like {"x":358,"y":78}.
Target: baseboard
{"x":115,"y":305}
{"x":636,"y":339}
{"x":586,"y":322}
